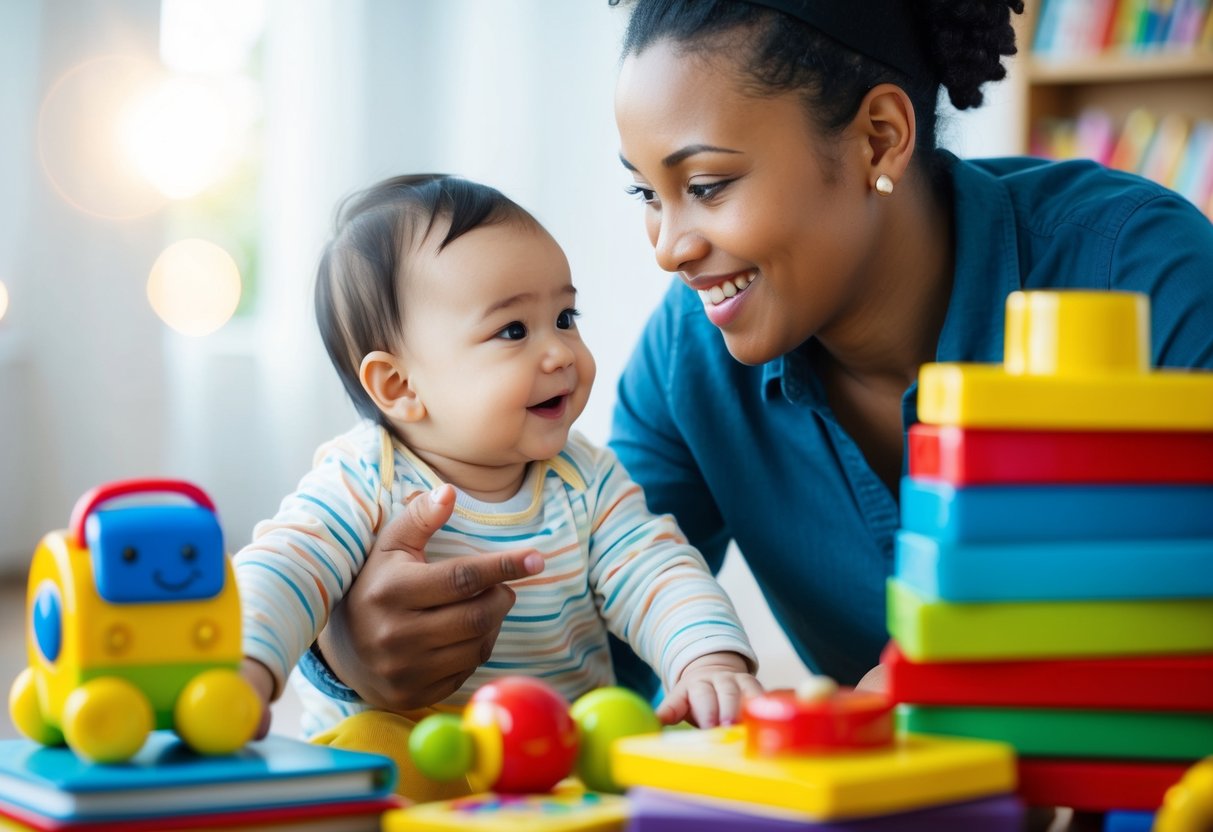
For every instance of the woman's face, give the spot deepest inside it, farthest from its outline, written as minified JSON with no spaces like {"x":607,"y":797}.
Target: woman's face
{"x":743,"y":199}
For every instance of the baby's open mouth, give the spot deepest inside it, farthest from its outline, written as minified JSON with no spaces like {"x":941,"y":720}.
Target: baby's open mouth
{"x":549,"y":404}
{"x":552,"y":408}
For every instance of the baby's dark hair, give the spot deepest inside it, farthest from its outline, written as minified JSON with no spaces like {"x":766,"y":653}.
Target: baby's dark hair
{"x":965,"y":42}
{"x":362,"y":269}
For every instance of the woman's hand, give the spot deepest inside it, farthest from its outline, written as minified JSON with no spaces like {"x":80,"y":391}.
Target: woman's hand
{"x":409,"y":633}
{"x":709,"y":691}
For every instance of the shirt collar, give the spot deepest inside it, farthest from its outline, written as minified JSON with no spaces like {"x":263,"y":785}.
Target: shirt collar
{"x":986,"y":271}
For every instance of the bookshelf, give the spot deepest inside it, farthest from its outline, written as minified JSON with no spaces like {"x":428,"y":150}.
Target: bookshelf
{"x":1127,"y":82}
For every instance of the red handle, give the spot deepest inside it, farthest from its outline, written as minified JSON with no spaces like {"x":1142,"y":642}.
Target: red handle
{"x":91,"y":499}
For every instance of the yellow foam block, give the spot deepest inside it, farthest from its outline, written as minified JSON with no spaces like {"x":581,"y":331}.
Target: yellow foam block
{"x":1074,"y":360}
{"x":562,"y":811}
{"x":916,"y":772}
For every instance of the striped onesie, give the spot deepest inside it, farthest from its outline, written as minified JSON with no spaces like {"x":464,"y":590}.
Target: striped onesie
{"x":611,"y":566}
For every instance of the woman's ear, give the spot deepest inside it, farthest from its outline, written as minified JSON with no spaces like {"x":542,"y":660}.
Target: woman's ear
{"x":886,"y":127}
{"x":386,"y":381}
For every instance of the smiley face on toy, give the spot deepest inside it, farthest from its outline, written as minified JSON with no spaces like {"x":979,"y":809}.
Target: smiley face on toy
{"x":156,"y":554}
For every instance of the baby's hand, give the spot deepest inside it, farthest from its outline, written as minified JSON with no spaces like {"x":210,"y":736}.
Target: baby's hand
{"x":262,"y":682}
{"x":710,"y":691}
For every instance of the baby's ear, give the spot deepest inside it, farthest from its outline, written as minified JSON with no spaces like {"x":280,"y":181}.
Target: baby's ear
{"x":385,"y":379}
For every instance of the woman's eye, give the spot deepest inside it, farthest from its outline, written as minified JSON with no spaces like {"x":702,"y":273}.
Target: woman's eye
{"x":709,"y":190}
{"x":514,"y":331}
{"x":567,"y":319}
{"x":647,"y":195}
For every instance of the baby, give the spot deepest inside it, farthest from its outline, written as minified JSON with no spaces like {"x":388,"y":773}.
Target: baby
{"x":449,"y":313}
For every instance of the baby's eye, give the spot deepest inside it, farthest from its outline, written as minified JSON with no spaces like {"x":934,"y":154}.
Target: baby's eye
{"x":567,"y":319}
{"x":647,"y":195}
{"x":513,"y":331}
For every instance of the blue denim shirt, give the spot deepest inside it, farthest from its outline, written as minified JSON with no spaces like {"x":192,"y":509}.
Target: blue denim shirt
{"x":756,"y":455}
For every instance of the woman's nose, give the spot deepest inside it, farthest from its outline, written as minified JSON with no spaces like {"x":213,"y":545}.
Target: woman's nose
{"x":676,"y":244}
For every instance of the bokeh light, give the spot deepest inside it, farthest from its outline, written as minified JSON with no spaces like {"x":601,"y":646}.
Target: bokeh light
{"x":3,"y":300}
{"x":194,"y":286}
{"x":78,"y":139}
{"x":179,"y":135}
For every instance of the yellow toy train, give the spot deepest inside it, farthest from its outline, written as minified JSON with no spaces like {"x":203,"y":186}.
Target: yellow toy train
{"x":133,"y":623}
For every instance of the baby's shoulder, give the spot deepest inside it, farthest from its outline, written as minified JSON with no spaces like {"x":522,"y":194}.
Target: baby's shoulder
{"x":361,"y":443}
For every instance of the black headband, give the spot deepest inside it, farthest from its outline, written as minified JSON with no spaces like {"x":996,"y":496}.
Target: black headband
{"x":883,"y":30}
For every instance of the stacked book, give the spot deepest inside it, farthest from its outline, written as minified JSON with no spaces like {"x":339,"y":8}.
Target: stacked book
{"x":1053,"y":581}
{"x":276,"y":783}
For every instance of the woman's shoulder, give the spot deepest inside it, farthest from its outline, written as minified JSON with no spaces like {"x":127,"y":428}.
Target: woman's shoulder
{"x":1048,"y":195}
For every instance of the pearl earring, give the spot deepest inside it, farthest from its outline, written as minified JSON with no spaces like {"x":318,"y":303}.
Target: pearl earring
{"x":884,"y":185}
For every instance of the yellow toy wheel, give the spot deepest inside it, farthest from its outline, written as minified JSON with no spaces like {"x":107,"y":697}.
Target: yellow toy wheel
{"x":107,"y":720}
{"x":217,"y":712}
{"x":26,"y":712}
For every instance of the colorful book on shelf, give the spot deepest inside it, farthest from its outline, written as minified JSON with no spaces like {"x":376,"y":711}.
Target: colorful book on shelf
{"x":1194,"y":175}
{"x":167,"y":779}
{"x":1134,"y":139}
{"x":1166,"y":149}
{"x":1046,"y":27}
{"x":1183,"y":30}
{"x":1103,"y":24}
{"x":1130,"y":17}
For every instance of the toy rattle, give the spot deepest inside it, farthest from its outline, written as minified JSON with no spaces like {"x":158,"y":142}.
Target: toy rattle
{"x":518,"y":735}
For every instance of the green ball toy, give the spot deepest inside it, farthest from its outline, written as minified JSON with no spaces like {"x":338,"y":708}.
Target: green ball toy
{"x":603,"y":716}
{"x":441,"y":748}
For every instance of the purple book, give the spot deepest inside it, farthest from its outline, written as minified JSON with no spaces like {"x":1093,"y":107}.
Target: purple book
{"x":653,"y":810}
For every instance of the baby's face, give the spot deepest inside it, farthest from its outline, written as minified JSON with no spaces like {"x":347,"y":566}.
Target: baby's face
{"x":492,"y":348}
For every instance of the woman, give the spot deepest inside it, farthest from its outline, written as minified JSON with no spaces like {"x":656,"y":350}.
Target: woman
{"x":784,"y":152}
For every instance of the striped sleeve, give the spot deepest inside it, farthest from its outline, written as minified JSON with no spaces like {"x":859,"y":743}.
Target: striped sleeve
{"x":654,"y":590}
{"x":303,"y":560}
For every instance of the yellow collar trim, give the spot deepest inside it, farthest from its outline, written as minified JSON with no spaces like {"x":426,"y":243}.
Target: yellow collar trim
{"x":388,"y":445}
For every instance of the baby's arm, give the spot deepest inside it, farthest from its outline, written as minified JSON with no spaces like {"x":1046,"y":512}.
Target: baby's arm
{"x":262,"y":682}
{"x":302,"y":560}
{"x":710,"y":691}
{"x":655,"y":591}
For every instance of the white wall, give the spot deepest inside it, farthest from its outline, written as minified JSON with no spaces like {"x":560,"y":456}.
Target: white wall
{"x":81,"y":392}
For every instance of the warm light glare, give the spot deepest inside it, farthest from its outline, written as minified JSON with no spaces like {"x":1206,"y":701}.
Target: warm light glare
{"x":78,"y":144}
{"x":180,"y":136}
{"x":194,"y":287}
{"x":3,"y":300}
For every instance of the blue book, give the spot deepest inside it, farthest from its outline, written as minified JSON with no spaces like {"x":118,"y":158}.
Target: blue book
{"x":167,"y":778}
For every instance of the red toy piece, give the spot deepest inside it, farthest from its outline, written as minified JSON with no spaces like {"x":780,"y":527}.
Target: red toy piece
{"x":525,"y":738}
{"x":968,"y":456}
{"x":846,"y":720}
{"x":1156,"y":683}
{"x":1096,"y":786}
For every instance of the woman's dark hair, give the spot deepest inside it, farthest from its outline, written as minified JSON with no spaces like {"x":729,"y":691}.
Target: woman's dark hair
{"x":363,"y":267}
{"x":964,"y":42}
